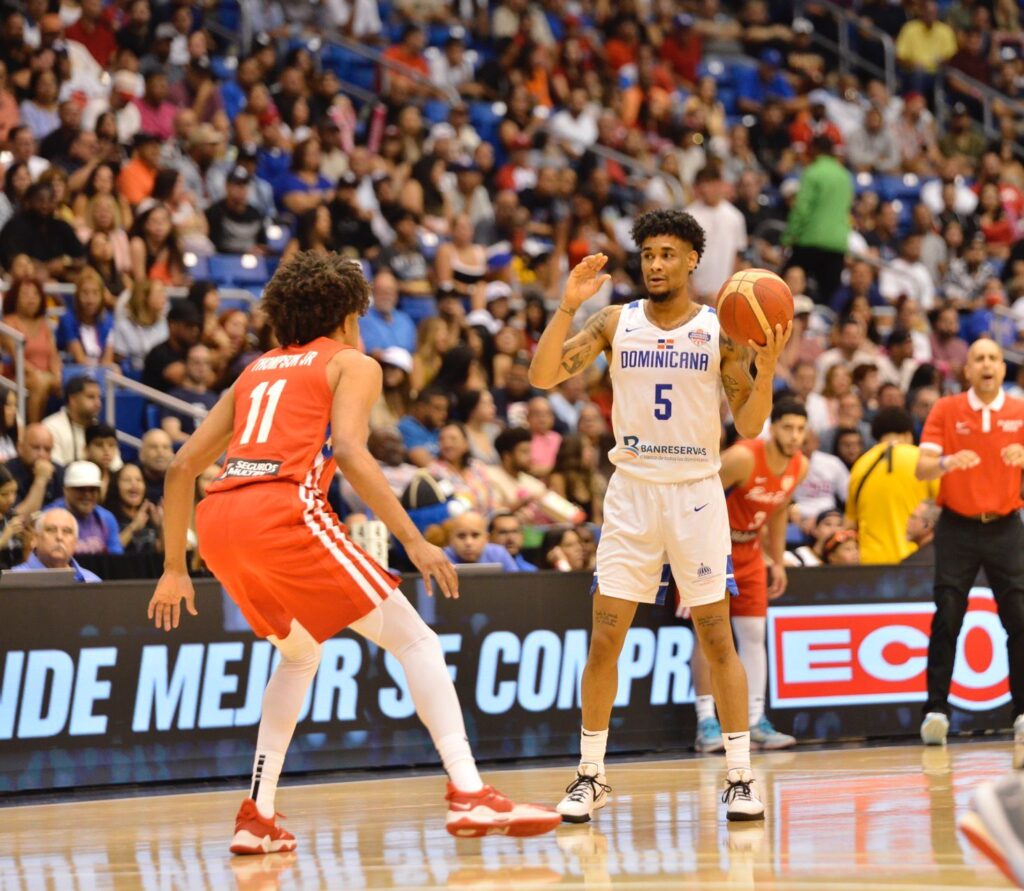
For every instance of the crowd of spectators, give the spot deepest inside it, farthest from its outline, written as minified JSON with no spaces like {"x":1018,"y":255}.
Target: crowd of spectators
{"x":141,"y":146}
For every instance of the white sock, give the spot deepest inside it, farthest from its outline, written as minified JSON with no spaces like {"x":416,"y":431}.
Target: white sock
{"x":282,"y":701}
{"x":737,"y":751}
{"x":266,"y":770}
{"x":705,"y":707}
{"x":398,"y":628}
{"x":750,"y":640}
{"x":592,"y":747}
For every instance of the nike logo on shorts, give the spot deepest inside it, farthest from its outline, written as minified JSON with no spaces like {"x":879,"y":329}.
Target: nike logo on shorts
{"x":699,"y":509}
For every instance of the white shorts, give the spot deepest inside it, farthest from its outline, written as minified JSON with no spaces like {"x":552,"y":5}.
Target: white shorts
{"x":648,"y":525}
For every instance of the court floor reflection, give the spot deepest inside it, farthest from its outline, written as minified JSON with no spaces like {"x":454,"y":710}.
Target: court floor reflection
{"x":839,"y":818}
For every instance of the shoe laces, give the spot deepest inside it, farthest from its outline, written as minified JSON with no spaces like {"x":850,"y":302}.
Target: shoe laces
{"x":578,"y":788}
{"x":740,"y":789}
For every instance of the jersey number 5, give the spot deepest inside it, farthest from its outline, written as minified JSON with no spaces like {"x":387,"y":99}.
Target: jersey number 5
{"x":255,"y":407}
{"x":662,"y":405}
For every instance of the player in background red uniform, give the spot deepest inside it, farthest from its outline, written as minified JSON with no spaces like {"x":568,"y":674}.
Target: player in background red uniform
{"x":759,"y":477}
{"x":268,"y":533}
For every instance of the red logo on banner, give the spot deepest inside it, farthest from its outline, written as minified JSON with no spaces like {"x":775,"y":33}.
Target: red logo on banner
{"x":847,"y":655}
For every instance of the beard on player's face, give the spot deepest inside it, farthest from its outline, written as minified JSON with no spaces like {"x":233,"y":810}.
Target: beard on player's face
{"x":786,"y":449}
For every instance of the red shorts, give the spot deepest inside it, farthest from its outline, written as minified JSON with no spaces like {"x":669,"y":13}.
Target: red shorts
{"x":751,"y":575}
{"x":281,"y":559}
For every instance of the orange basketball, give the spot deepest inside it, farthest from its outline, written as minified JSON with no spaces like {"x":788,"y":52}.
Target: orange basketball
{"x":751,"y":302}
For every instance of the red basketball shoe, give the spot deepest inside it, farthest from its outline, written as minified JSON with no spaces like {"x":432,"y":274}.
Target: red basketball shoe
{"x":256,"y":835}
{"x":488,"y":812}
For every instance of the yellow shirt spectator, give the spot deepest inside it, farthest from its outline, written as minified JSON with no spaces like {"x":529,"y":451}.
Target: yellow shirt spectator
{"x":926,"y":47}
{"x":883,"y":494}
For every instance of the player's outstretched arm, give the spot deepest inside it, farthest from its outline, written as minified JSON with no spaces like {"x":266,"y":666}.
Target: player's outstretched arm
{"x":750,"y":398}
{"x":204,"y":447}
{"x":358,"y":388}
{"x":557,"y":358}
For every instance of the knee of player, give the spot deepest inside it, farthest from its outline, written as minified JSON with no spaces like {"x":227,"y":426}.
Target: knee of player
{"x":605,"y":645}
{"x":717,"y":647}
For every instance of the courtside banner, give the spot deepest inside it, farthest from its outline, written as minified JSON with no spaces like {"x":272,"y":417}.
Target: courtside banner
{"x":90,"y":694}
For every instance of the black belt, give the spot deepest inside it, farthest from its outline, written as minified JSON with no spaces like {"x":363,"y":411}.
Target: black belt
{"x":984,"y":518}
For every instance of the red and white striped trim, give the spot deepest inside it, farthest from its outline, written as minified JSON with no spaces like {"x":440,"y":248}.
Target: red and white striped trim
{"x":363,"y":571}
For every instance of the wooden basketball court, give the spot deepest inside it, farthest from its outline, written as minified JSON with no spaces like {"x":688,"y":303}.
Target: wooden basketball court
{"x":842,"y":818}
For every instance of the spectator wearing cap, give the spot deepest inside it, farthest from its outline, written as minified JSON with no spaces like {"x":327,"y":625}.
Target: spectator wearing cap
{"x":56,"y":541}
{"x":842,"y":548}
{"x":923,"y":44}
{"x":470,"y":195}
{"x":406,"y":261}
{"x":68,"y":426}
{"x":973,"y":444}
{"x":884,"y":489}
{"x":962,"y":139}
{"x":821,"y":530}
{"x":137,"y":178}
{"x":236,"y":227}
{"x":819,"y":224}
{"x":158,"y":57}
{"x":384,"y":325}
{"x":35,"y":231}
{"x":194,"y":389}
{"x":722,"y":255}
{"x":93,"y":31}
{"x":204,"y":145}
{"x":155,"y":111}
{"x":164,"y":366}
{"x":101,"y":448}
{"x":395,"y":398}
{"x":261,"y":192}
{"x":755,"y":86}
{"x":351,"y":223}
{"x":97,"y":526}
{"x":334,"y":161}
{"x":681,"y":49}
{"x":124,"y":88}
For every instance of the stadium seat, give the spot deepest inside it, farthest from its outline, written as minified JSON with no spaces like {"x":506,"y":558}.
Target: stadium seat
{"x":198,"y":267}
{"x":97,"y":374}
{"x":236,"y":298}
{"x":435,"y":111}
{"x":130,"y":413}
{"x":238,"y":269}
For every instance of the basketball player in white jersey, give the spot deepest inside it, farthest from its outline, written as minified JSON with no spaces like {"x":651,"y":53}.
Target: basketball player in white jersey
{"x":669,"y":366}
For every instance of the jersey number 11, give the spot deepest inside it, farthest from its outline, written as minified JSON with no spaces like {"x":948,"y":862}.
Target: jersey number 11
{"x":255,"y":407}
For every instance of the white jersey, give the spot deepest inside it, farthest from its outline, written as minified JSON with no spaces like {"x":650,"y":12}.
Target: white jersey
{"x":667,"y":390}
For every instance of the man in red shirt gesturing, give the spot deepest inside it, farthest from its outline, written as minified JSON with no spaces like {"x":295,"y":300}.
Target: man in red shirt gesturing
{"x":974,"y":442}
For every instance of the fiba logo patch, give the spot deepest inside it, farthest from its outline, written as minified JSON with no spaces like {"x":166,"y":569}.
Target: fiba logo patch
{"x":700,"y":337}
{"x":704,"y":571}
{"x":631,"y":446}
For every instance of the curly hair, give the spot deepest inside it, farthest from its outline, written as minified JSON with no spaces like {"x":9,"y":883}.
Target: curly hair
{"x":311,"y":295}
{"x":676,"y":223}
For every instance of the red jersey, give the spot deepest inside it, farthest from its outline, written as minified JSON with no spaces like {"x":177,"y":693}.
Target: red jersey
{"x":282,"y":420}
{"x":751,"y":504}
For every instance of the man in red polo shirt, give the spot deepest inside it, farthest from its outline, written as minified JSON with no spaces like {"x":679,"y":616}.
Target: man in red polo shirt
{"x":974,"y":443}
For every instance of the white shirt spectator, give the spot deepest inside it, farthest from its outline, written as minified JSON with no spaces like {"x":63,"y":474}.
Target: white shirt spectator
{"x":824,"y":487}
{"x":728,"y":237}
{"x":444,"y":74}
{"x":580,"y":133}
{"x":913,"y":279}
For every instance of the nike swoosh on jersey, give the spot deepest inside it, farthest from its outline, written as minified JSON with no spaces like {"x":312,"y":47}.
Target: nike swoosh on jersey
{"x":631,"y":330}
{"x":698,"y":509}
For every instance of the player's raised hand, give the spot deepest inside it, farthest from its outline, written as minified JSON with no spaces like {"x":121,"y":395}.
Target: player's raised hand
{"x":165,"y":605}
{"x":766,"y":357}
{"x":433,"y":564}
{"x":585,"y":280}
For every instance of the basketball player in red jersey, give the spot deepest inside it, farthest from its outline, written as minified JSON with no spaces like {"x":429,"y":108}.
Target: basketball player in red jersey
{"x":759,"y":477}
{"x":268,"y":533}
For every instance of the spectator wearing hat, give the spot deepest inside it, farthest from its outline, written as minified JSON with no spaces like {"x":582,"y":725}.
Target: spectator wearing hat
{"x":68,"y":426}
{"x":164,"y":367}
{"x":101,"y":448}
{"x":755,"y":86}
{"x":351,"y":223}
{"x":138,"y":176}
{"x":155,"y":111}
{"x":194,"y":389}
{"x":93,"y":31}
{"x":158,"y":56}
{"x":842,"y":549}
{"x":395,"y":398}
{"x":35,"y":231}
{"x":820,"y":530}
{"x":384,"y":325}
{"x":56,"y":541}
{"x":204,"y":144}
{"x":97,"y":527}
{"x":124,"y":88}
{"x":819,"y":224}
{"x":236,"y":227}
{"x":681,"y":49}
{"x":406,"y":261}
{"x":884,"y":489}
{"x":261,"y":192}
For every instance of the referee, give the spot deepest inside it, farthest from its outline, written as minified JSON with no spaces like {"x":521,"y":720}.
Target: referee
{"x":974,"y":443}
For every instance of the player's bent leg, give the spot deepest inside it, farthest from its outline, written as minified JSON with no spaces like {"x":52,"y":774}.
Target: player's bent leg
{"x":588,"y":791}
{"x":256,"y":829}
{"x":729,"y":682}
{"x":474,"y":809}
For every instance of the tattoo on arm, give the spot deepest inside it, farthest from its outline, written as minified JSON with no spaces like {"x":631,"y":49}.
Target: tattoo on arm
{"x":732,"y":387}
{"x":581,"y":349}
{"x":601,"y":617}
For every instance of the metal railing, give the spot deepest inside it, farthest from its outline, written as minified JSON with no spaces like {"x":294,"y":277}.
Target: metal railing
{"x":954,"y":80}
{"x":19,"y":367}
{"x":845,"y":20}
{"x":114,"y":381}
{"x":378,"y":58}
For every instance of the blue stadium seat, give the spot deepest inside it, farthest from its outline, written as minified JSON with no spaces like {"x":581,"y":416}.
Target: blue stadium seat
{"x":278,"y":244}
{"x":200,"y":268}
{"x":97,"y":374}
{"x":235,"y":269}
{"x":152,"y":416}
{"x":437,"y":34}
{"x":900,"y":188}
{"x":435,"y":111}
{"x":130,"y":413}
{"x":224,"y":67}
{"x":485,"y":120}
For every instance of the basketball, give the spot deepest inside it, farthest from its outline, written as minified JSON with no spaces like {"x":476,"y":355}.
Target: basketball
{"x":751,"y":302}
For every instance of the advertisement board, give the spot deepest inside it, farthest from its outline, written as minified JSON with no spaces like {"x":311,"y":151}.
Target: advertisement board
{"x":90,"y":694}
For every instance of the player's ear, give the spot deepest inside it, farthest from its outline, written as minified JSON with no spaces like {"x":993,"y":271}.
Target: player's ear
{"x":693,"y":258}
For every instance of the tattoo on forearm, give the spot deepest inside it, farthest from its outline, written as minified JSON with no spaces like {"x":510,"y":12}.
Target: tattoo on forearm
{"x":732,"y":386}
{"x":581,"y":349}
{"x":601,"y":617}
{"x":575,"y":364}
